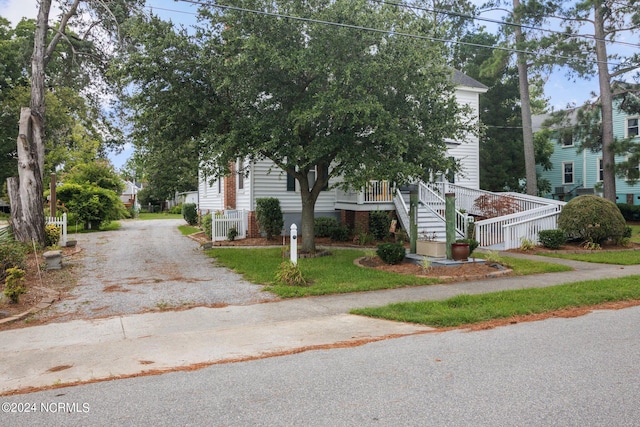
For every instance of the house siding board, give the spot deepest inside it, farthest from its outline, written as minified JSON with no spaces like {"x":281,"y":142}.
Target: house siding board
{"x":468,"y":151}
{"x":274,"y":184}
{"x":209,"y":198}
{"x":586,"y":165}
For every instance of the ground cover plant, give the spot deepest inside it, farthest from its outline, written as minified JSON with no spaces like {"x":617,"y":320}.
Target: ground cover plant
{"x":469,"y":309}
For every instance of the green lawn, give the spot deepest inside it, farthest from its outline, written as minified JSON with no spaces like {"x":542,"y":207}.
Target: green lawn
{"x":524,"y":267}
{"x":158,"y":215}
{"x":328,"y":275}
{"x":337,"y":273}
{"x":188,"y":229}
{"x":603,"y":257}
{"x":468,"y":309}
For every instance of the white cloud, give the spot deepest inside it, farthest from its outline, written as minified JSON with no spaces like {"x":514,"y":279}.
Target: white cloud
{"x":15,"y":10}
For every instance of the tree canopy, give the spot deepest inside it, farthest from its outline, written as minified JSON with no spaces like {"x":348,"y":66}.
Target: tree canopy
{"x":337,"y":99}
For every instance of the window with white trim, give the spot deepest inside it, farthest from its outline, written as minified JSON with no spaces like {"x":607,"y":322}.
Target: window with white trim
{"x":567,"y":173}
{"x":241,"y":173}
{"x":566,"y":138}
{"x":600,"y":170}
{"x":632,"y":127}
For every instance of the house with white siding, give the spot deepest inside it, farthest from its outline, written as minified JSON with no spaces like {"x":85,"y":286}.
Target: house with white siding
{"x":239,"y":192}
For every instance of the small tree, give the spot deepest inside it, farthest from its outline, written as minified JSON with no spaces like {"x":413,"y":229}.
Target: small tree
{"x":269,"y":216}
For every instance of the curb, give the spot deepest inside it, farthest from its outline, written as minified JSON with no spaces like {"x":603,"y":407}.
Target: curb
{"x":45,"y":302}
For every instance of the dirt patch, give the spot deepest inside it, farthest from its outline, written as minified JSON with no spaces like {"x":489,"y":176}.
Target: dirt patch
{"x":41,"y":285}
{"x":465,"y":271}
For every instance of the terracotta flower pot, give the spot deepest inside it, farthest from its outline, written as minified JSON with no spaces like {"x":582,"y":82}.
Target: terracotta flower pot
{"x":460,"y":251}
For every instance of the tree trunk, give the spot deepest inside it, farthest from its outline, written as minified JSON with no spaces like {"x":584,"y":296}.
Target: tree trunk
{"x":525,"y":109}
{"x":307,"y":227}
{"x":606,"y":105}
{"x":25,"y":192}
{"x":27,"y":201}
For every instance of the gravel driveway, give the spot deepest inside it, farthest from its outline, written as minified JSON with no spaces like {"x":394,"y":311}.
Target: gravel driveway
{"x":148,"y":265}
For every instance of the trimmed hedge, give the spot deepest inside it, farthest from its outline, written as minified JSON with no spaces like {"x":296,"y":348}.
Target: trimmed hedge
{"x":379,"y":223}
{"x":629,"y":212}
{"x":391,"y":253}
{"x":552,"y":239}
{"x":190,"y":213}
{"x":269,"y":216}
{"x":592,"y":218}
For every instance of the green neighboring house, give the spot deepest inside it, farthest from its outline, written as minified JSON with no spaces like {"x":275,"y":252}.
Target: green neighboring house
{"x":578,"y":172}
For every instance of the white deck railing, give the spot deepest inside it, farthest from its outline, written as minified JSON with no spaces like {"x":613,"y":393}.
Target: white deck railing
{"x":373,"y":192}
{"x":528,"y":229}
{"x":466,"y":198}
{"x":60,"y":221}
{"x":493,"y":231}
{"x":222,"y":223}
{"x":437,"y":204}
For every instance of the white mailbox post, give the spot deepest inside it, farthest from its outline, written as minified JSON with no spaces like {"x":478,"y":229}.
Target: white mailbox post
{"x":294,"y":244}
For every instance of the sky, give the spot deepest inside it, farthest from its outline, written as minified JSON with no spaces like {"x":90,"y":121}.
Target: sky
{"x":560,"y":90}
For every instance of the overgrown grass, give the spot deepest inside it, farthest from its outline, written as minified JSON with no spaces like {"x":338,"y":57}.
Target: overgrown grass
{"x":523,"y":267}
{"x":468,"y":309}
{"x":332,"y":274}
{"x":602,"y":257}
{"x":158,"y":215}
{"x":187,"y":229}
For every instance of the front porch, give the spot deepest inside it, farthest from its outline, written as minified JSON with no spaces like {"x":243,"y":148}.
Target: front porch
{"x":500,"y":220}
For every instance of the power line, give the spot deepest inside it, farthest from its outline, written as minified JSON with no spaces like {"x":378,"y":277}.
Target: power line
{"x":402,"y":34}
{"x":499,"y":22}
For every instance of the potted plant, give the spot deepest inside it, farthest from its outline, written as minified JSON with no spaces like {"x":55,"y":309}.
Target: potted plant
{"x":460,"y":251}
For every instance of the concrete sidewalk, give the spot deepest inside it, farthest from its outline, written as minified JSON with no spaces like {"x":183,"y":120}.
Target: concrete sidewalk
{"x":88,"y":350}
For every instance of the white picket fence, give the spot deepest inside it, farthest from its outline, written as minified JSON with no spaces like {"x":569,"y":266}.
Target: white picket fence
{"x":60,"y":221}
{"x":222,"y":223}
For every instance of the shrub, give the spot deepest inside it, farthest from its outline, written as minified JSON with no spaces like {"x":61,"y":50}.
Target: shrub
{"x":391,"y":253}
{"x":12,"y":255}
{"x":269,"y":216}
{"x":324,"y":226}
{"x":473,"y":244}
{"x":52,"y":234}
{"x":379,"y":223}
{"x":289,"y":274}
{"x":492,"y":207}
{"x":340,"y":233}
{"x":190,"y":213}
{"x":91,"y":205}
{"x":14,"y":285}
{"x":552,"y":239}
{"x":232,"y":234}
{"x":206,"y":222}
{"x":629,"y":212}
{"x":593,"y":219}
{"x":177,"y":209}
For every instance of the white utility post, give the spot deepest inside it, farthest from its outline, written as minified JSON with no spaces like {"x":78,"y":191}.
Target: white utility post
{"x":294,"y":244}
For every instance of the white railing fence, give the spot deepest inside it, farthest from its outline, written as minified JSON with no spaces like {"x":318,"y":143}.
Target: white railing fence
{"x":492,"y":231}
{"x":528,"y":229}
{"x":373,"y":192}
{"x":60,"y":221}
{"x":222,"y":223}
{"x":466,"y":199}
{"x":437,"y":204}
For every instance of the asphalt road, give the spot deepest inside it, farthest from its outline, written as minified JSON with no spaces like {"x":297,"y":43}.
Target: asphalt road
{"x":582,"y":371}
{"x":145,"y":266}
